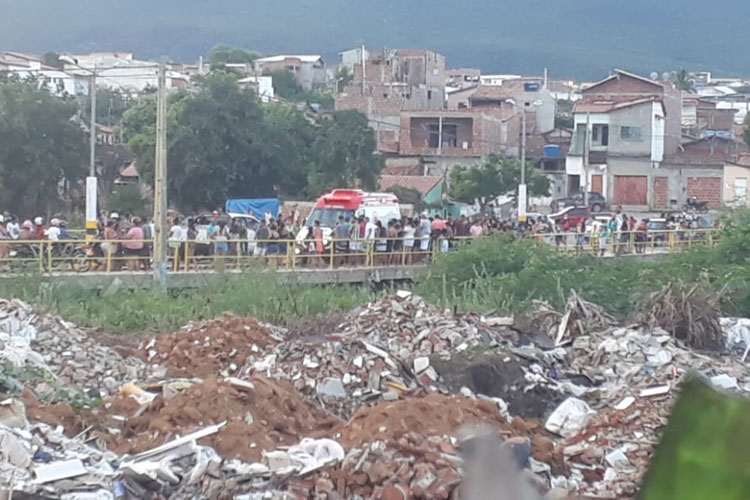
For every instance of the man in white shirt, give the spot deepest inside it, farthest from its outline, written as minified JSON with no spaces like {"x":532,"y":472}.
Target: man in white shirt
{"x":53,"y":232}
{"x":13,"y":228}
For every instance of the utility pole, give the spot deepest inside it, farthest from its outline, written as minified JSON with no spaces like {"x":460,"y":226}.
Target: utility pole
{"x":91,"y":183}
{"x":586,"y":148}
{"x":160,"y":186}
{"x":522,"y":186}
{"x":364,"y":71}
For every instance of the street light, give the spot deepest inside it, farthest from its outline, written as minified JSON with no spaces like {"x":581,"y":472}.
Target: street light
{"x":522,"y":186}
{"x":91,"y":182}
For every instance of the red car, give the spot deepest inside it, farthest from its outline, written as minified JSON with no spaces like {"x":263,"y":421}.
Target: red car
{"x":574,"y":215}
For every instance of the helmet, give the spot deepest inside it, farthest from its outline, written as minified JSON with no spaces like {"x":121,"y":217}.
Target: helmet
{"x":38,"y":221}
{"x":114,"y":216}
{"x":55,"y":221}
{"x":2,"y":219}
{"x":26,"y":224}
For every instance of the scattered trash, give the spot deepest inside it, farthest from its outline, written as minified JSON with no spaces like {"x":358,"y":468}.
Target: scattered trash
{"x":569,"y":418}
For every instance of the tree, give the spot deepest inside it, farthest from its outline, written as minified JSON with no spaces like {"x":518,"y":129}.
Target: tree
{"x":683,"y":80}
{"x":498,"y":176}
{"x":410,"y":196}
{"x":285,"y":85}
{"x":41,"y":149}
{"x":343,"y":77}
{"x":52,"y":59}
{"x":223,"y":144}
{"x":226,"y":54}
{"x":127,"y":200}
{"x":345,"y":153}
{"x":111,"y":105}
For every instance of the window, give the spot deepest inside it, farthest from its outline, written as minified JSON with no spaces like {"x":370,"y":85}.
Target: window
{"x":450,"y":136}
{"x":630,"y":133}
{"x":600,"y":135}
{"x":432,"y":140}
{"x":429,"y":95}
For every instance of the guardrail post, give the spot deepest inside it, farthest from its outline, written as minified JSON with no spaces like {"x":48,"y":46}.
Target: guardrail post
{"x":186,"y":263}
{"x":333,"y":244}
{"x":49,"y":255}
{"x":108,"y":256}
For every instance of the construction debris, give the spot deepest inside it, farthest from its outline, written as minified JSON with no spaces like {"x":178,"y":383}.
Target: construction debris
{"x":368,"y":406}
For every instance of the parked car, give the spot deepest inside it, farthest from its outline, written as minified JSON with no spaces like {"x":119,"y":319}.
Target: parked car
{"x":573,"y":214}
{"x":597,"y":203}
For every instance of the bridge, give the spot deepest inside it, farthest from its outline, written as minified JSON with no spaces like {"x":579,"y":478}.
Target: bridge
{"x":195,"y":264}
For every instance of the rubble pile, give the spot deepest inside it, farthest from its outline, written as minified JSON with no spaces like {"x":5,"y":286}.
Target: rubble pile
{"x":217,"y":347}
{"x":260,"y":414}
{"x":377,"y":353}
{"x":70,"y":353}
{"x":368,"y":406}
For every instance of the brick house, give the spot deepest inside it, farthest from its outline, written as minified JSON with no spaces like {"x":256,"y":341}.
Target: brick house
{"x":713,"y":169}
{"x":624,"y":126}
{"x":446,"y":138}
{"x":701,"y":118}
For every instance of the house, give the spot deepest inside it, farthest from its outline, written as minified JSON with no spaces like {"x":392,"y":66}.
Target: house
{"x":538,"y":103}
{"x":701,"y":117}
{"x":549,"y":151}
{"x":52,"y":79}
{"x":624,"y":126}
{"x":392,"y":81}
{"x":119,"y":70}
{"x":712,"y":169}
{"x":128,"y":175}
{"x":462,"y":78}
{"x":308,"y":70}
{"x":445,"y":138}
{"x":262,"y":85}
{"x":429,"y":187}
{"x":352,"y":57}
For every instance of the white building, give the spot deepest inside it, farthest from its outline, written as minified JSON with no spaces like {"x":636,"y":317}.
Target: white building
{"x":263,"y":86}
{"x":352,"y":57}
{"x":56,"y":81}
{"x":120,"y":71}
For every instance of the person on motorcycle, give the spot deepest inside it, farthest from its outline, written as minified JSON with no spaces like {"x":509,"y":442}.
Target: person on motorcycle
{"x":39,"y":231}
{"x":27,"y":231}
{"x":53,"y":232}
{"x":64,"y":235}
{"x":13,"y":227}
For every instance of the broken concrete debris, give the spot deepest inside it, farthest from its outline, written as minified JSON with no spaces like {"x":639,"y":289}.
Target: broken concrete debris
{"x":368,"y":406}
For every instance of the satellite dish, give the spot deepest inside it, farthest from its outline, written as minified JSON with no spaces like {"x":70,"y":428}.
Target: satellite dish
{"x":654,"y":75}
{"x":665,"y":76}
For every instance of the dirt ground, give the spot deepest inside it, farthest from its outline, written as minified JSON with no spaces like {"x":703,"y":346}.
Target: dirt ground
{"x":263,"y":418}
{"x":206,"y":349}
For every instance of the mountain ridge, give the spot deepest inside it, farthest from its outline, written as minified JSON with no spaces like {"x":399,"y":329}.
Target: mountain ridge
{"x":582,"y":39}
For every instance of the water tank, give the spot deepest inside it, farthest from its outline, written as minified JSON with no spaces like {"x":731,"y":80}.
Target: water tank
{"x":552,"y":151}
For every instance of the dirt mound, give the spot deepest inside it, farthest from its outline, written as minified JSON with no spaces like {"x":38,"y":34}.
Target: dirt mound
{"x":432,"y":415}
{"x":261,"y":417}
{"x":52,"y":414}
{"x":217,"y":347}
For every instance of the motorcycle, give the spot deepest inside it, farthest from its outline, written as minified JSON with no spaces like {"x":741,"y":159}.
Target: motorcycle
{"x":693,"y":205}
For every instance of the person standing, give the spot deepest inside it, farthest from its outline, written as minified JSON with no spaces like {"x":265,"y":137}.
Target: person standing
{"x":318,"y":247}
{"x":133,"y":245}
{"x":13,"y":228}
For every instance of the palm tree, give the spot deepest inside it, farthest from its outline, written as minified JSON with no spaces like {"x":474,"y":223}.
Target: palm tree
{"x":682,"y":80}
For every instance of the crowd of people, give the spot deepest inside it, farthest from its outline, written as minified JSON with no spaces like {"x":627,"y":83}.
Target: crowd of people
{"x":128,"y":239}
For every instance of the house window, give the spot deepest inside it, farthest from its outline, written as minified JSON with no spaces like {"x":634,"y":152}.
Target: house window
{"x":450,"y":136}
{"x":429,"y":95}
{"x":432,"y":140}
{"x":630,"y":133}
{"x":600,"y":135}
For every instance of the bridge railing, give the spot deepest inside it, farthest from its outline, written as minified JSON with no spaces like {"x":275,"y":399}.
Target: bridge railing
{"x":135,"y":255}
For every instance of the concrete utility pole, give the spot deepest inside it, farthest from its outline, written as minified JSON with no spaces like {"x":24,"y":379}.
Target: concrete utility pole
{"x":92,"y":186}
{"x":522,"y":187}
{"x":364,"y":71}
{"x":160,"y":186}
{"x":586,"y":148}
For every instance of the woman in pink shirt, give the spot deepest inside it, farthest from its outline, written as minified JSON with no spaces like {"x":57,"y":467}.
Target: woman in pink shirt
{"x":133,"y":247}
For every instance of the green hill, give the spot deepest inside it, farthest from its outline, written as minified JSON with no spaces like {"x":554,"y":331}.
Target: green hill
{"x":580,"y":38}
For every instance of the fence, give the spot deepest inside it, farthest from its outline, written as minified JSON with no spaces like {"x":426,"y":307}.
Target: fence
{"x":132,"y":255}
